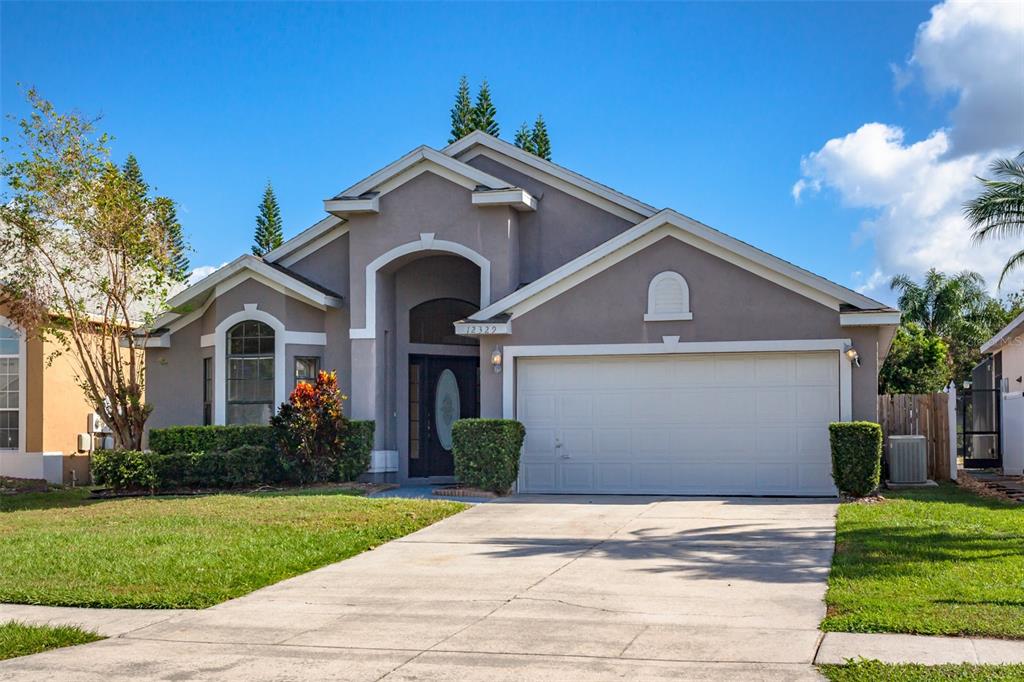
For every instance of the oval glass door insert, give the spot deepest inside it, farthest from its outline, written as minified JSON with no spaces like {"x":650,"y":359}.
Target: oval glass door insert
{"x":446,"y":407}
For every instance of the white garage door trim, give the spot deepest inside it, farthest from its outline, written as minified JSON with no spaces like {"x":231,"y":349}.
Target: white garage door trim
{"x":671,"y":346}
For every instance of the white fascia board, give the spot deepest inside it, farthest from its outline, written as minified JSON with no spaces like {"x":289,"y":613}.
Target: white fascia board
{"x":314,"y":245}
{"x":462,"y":149}
{"x":423,"y":153}
{"x":870,"y":319}
{"x":482,"y":328}
{"x":1002,"y":335}
{"x":161,"y":341}
{"x":519,"y":199}
{"x":343,"y":207}
{"x":671,"y":223}
{"x":303,"y":238}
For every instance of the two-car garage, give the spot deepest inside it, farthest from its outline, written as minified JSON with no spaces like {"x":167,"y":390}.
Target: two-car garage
{"x":737,"y":423}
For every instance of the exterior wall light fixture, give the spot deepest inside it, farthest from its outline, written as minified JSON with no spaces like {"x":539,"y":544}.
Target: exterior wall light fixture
{"x":496,"y":360}
{"x":853,"y":355}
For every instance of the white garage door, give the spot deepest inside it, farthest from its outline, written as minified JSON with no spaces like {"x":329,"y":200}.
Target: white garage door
{"x":716,"y":424}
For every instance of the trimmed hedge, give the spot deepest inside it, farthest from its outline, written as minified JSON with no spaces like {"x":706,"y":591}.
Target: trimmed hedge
{"x":358,"y":446}
{"x":208,"y":438}
{"x":487,"y":452}
{"x":247,"y":465}
{"x":856,"y":456}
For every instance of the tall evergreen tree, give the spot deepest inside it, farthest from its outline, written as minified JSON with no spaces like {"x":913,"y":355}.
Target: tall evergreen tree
{"x":462,"y":113}
{"x":269,"y":230}
{"x":524,"y":139}
{"x":167,"y":216}
{"x":539,"y":137}
{"x":133,"y":174}
{"x":484,"y":113}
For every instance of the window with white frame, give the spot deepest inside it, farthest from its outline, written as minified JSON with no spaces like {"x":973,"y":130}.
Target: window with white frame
{"x":10,"y":388}
{"x":668,"y":298}
{"x":250,"y":373}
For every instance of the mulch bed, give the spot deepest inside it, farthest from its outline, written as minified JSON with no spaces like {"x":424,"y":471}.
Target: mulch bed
{"x":463,"y":491}
{"x":994,"y":488}
{"x":13,"y":486}
{"x":367,"y":488}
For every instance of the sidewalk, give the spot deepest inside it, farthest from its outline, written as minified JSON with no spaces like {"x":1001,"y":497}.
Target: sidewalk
{"x":837,"y":647}
{"x":106,"y":622}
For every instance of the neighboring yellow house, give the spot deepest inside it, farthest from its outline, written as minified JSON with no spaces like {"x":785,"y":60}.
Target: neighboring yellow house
{"x":42,"y":411}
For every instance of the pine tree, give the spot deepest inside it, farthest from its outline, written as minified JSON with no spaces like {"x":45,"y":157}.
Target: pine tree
{"x":484,"y":113}
{"x":133,"y":174}
{"x":539,"y":137}
{"x":524,"y":139}
{"x":462,"y":112}
{"x":269,"y":231}
{"x":177,"y":256}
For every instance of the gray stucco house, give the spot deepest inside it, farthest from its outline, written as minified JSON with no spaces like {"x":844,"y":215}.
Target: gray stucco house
{"x":645,"y":352}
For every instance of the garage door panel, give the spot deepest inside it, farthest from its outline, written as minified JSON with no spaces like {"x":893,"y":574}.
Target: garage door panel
{"x":687,"y":424}
{"x":576,"y":407}
{"x":538,"y":408}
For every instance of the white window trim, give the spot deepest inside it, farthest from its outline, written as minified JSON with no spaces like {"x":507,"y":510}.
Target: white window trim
{"x":426,"y":243}
{"x":22,"y":386}
{"x":684,"y":314}
{"x":282,"y":337}
{"x":670,"y":345}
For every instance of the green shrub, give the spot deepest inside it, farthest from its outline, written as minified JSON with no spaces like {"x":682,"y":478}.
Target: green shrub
{"x":355,"y":458}
{"x":244,"y":466}
{"x":856,"y":456}
{"x":310,"y":430}
{"x":208,"y":438}
{"x":487,"y":452}
{"x":124,"y":469}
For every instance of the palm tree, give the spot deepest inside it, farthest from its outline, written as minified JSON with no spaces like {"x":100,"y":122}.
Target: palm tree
{"x":999,"y":211}
{"x":956,"y":309}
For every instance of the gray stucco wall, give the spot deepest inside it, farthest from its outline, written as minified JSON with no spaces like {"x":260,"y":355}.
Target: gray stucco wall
{"x":728,"y":304}
{"x":562,"y":228}
{"x":174,"y":376}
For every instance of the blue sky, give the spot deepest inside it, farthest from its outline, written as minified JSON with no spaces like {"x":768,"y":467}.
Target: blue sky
{"x":706,"y":108}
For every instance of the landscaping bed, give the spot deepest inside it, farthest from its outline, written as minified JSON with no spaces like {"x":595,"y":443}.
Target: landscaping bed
{"x":935,"y":561}
{"x":18,"y":639}
{"x":192,"y":552}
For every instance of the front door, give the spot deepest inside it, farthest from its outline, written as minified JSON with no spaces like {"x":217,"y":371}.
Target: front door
{"x":442,"y":389}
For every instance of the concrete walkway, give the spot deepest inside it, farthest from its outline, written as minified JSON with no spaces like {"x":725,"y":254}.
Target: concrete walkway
{"x":838,"y":647}
{"x":525,"y":588}
{"x":107,"y":622}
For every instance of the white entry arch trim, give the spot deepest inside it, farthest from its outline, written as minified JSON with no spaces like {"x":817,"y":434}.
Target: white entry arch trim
{"x":426,"y":242}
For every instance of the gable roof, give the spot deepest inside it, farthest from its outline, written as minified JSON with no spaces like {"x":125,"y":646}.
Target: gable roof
{"x":671,"y":223}
{"x":536,"y":167}
{"x":1005,"y":334}
{"x":197,"y":296}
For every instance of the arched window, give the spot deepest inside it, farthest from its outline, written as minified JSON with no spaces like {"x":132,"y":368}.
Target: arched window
{"x":10,"y":388}
{"x":668,"y":298}
{"x":250,"y":373}
{"x":434,"y":322}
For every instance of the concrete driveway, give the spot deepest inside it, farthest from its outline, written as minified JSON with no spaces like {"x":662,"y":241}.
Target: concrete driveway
{"x":537,"y":588}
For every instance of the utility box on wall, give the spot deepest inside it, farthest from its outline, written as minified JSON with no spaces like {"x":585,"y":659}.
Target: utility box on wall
{"x":908,"y":460}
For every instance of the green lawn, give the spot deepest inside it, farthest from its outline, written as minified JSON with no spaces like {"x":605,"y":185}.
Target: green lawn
{"x":936,"y":561}
{"x":873,"y":671}
{"x":187,"y":552}
{"x":18,"y":639}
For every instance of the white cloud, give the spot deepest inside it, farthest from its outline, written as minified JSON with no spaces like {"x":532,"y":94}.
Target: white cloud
{"x":916,"y":190}
{"x":976,"y":51}
{"x":202,"y":271}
